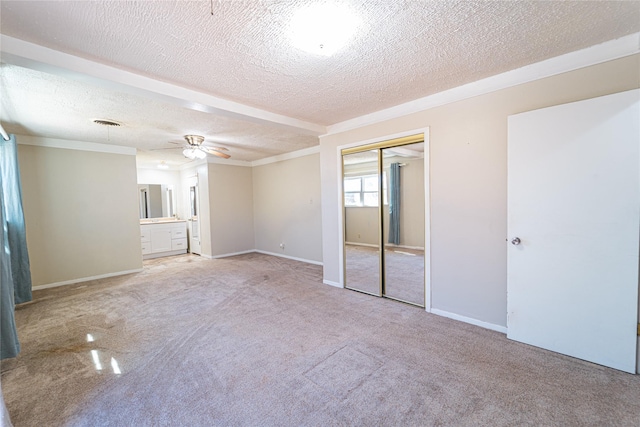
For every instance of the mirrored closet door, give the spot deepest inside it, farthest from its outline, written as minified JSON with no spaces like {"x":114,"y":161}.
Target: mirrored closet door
{"x":362,"y":221}
{"x":384,"y":219}
{"x":403,"y":223}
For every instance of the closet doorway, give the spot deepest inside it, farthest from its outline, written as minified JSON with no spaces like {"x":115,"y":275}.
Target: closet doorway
{"x":384,"y":219}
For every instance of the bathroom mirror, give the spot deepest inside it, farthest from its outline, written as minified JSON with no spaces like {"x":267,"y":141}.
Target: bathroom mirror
{"x":403,"y":223}
{"x":156,"y":201}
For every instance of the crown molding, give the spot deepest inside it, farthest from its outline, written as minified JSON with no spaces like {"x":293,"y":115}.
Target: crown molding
{"x":229,"y":162}
{"x":74,"y":145}
{"x":608,"y":51}
{"x":287,"y":156}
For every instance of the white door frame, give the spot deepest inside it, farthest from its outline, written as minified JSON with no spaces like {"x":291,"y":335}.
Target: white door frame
{"x":427,"y":206}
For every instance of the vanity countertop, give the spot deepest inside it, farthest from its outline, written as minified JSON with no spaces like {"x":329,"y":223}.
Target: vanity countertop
{"x":160,"y":221}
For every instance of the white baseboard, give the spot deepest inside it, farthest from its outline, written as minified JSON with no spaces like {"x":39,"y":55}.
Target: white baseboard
{"x":164,"y":254}
{"x":228,"y":255}
{"x":368,"y":245}
{"x":332,"y":283}
{"x":416,"y":248}
{"x":250,"y":251}
{"x":386,"y":245}
{"x":465,"y":319}
{"x":308,"y":261}
{"x":84,"y":279}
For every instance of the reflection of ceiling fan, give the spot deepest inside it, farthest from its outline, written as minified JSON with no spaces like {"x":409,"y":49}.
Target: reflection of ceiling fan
{"x":196,"y":150}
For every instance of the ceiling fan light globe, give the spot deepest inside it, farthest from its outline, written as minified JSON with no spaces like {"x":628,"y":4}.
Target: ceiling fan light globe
{"x":199,"y":154}
{"x":189,"y":153}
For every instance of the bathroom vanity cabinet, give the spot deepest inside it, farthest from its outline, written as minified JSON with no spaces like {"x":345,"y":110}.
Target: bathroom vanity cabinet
{"x":163,"y":238}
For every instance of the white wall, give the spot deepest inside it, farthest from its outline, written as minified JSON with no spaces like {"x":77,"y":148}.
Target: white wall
{"x":286,"y":202}
{"x":412,"y":215}
{"x":158,"y":176}
{"x":230,"y":206}
{"x":468,"y":176}
{"x":362,"y":225}
{"x":81,"y":211}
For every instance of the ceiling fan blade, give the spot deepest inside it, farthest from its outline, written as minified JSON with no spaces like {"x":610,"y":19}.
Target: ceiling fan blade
{"x":214,"y":152}
{"x":213,"y":147}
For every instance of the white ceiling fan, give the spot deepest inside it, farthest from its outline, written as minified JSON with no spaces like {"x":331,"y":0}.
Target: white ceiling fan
{"x":195,"y":149}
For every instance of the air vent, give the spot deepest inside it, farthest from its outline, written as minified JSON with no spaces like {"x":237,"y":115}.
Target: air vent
{"x":104,"y":122}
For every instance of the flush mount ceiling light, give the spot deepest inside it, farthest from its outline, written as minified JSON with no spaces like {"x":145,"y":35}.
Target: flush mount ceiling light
{"x":323,"y":29}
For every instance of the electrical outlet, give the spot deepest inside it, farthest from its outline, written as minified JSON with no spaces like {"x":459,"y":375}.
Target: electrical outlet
{"x":281,"y":245}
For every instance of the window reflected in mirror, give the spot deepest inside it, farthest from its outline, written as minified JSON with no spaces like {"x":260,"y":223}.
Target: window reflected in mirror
{"x":361,"y":222}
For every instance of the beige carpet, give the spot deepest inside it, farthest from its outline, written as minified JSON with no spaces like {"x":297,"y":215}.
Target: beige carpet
{"x":259,"y":341}
{"x":404,"y":272}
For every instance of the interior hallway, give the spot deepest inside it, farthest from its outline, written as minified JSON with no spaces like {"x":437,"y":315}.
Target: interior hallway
{"x":258,"y":340}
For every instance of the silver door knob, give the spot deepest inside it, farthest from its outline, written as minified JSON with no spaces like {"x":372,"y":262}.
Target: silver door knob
{"x":516,"y":241}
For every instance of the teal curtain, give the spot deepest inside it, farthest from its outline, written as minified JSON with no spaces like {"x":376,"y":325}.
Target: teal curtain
{"x":15,"y":274}
{"x":9,"y":345}
{"x":5,"y":420}
{"x":394,"y":203}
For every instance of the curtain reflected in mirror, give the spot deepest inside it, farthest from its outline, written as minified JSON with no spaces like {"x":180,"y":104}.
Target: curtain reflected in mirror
{"x":403,"y":222}
{"x":362,"y":222}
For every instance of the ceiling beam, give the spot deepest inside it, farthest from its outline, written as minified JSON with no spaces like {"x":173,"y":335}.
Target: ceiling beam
{"x":29,"y":55}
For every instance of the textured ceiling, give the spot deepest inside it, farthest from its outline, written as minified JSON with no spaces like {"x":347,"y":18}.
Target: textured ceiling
{"x":401,"y":51}
{"x":147,"y":125}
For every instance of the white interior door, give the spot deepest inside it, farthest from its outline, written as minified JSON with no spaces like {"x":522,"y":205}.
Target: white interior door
{"x":574,"y":203}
